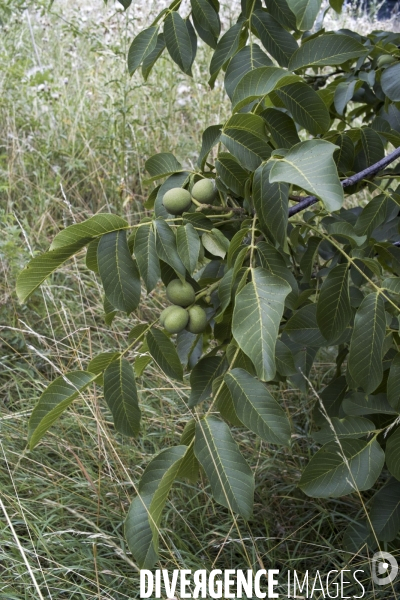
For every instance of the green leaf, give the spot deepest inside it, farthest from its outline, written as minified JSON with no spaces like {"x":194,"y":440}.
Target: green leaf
{"x":306,"y":107}
{"x":390,"y":82}
{"x":202,"y":377}
{"x":302,"y":327}
{"x":272,"y":260}
{"x":121,"y":396}
{"x":366,"y":346}
{"x":344,"y":93}
{"x":358,"y":404}
{"x":231,"y":173}
{"x":392,"y":284}
{"x":331,"y":396}
{"x":341,"y":229}
{"x":278,"y":42}
{"x":281,"y":127}
{"x":188,"y":244}
{"x":284,"y":360}
{"x":385,"y":511}
{"x":144,"y":515}
{"x":118,"y":272}
{"x":393,"y":383}
{"x":227,"y":47}
{"x":257,"y":409}
{"x":205,"y":16}
{"x":393,"y":454}
{"x":99,"y":363}
{"x":146,"y":256}
{"x":210,"y":138}
{"x":161,"y":165}
{"x":280,"y":10}
{"x":245,"y":137}
{"x":151,"y":59}
{"x":189,"y":468}
{"x":372,"y":215}
{"x":215,"y":242}
{"x":333,"y":307}
{"x":40,"y":267}
{"x":306,"y":12}
{"x":337,"y":5}
{"x":90,"y":229}
{"x":142,"y":46}
{"x":259,"y":83}
{"x":178,"y":41}
{"x":54,"y":400}
{"x":166,"y":246}
{"x":349,"y":427}
{"x":247,"y":59}
{"x":232,"y":482}
{"x":372,"y":149}
{"x":327,"y":49}
{"x":91,"y":256}
{"x":271,"y":204}
{"x":337,"y":471}
{"x":164,"y":353}
{"x":310,"y":166}
{"x":256,"y":318}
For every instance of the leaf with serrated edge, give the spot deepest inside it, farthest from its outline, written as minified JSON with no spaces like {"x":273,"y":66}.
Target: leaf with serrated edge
{"x":256,"y":319}
{"x":230,"y":477}
{"x":54,"y":400}
{"x":329,"y":474}
{"x":257,"y":409}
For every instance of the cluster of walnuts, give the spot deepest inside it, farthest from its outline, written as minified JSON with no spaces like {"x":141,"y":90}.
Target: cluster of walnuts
{"x":184,"y":313}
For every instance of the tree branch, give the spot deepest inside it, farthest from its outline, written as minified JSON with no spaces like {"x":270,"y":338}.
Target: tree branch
{"x":368,"y":172}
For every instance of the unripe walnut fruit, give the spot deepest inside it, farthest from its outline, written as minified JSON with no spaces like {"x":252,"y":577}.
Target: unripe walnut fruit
{"x":165,"y":313}
{"x":197,"y":320}
{"x":177,"y":201}
{"x":176,"y":319}
{"x":204,"y":191}
{"x":180,"y":293}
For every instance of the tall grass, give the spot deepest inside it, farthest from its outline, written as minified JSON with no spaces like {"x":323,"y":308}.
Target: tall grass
{"x":75,"y":131}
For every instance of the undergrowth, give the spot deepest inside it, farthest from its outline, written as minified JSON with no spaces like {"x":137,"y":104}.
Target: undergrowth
{"x":75,"y":132}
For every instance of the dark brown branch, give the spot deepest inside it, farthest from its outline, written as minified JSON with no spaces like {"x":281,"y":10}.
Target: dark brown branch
{"x":368,"y":172}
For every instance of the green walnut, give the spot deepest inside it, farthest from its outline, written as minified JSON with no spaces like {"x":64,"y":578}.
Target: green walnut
{"x":176,"y":319}
{"x":165,"y":313}
{"x":177,"y":201}
{"x":204,"y":191}
{"x":385,"y":59}
{"x":180,"y":293}
{"x":197,"y":320}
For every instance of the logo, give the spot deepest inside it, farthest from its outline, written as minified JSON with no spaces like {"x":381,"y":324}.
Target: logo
{"x":384,"y":563}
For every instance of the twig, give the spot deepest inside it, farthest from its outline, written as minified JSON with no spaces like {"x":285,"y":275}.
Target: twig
{"x":368,"y":172}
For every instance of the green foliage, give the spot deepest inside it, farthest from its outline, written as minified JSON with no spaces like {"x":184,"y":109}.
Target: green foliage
{"x":277,"y":283}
